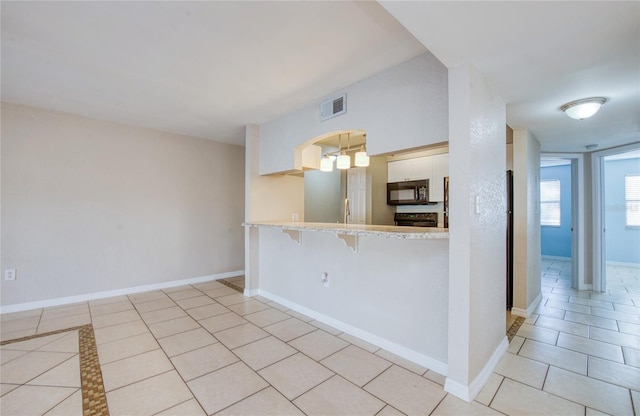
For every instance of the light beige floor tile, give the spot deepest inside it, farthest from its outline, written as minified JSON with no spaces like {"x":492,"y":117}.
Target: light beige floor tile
{"x":221,"y":322}
{"x":240,"y":335}
{"x":188,"y":293}
{"x":71,"y":406}
{"x":318,"y":344}
{"x":531,"y":320}
{"x":538,"y":333}
{"x":556,"y":296}
{"x":591,"y":347}
{"x":615,"y":373}
{"x":194,"y":302}
{"x":264,"y":352}
{"x":219,"y":292}
{"x":337,"y":396}
{"x":30,"y":365}
{"x":591,"y":302}
{"x":232,"y":299}
{"x":6,"y":317}
{"x":326,"y":328}
{"x":359,"y":342}
{"x":63,"y":323}
{"x":591,"y":320}
{"x":402,"y":362}
{"x":186,"y":341}
{"x":631,"y":357}
{"x":130,"y":370}
{"x":20,"y":402}
{"x":435,"y":377}
{"x":620,"y":316}
{"x":453,"y":406}
{"x":300,"y":316}
{"x":154,"y":305}
{"x":248,"y":307}
{"x":389,"y":411}
{"x":635,"y":398}
{"x":161,"y":315}
{"x":105,"y":309}
{"x":172,"y":327}
{"x":66,"y":374}
{"x":275,"y":305}
{"x":218,"y":390}
{"x":204,"y":360}
{"x":8,"y":355}
{"x":5,"y":336}
{"x":289,"y":329}
{"x":515,"y":398}
{"x":176,"y":289}
{"x":567,"y":306}
{"x":588,"y":391}
{"x":114,"y":318}
{"x":613,"y":337}
{"x":489,"y":390}
{"x":265,"y":402}
{"x":65,"y":311}
{"x":515,"y":344}
{"x":120,"y":331}
{"x":522,"y":369}
{"x":406,"y":391}
{"x":210,"y":286}
{"x":563,"y":326}
{"x":149,"y":396}
{"x":295,"y":375}
{"x":68,"y":342}
{"x":126,"y":347}
{"x":634,"y":310}
{"x":559,"y":357}
{"x":356,"y":365}
{"x":6,"y":388}
{"x":106,"y":301}
{"x":147,"y":296}
{"x":593,"y":412}
{"x":266,"y":317}
{"x":628,"y":328}
{"x":188,"y":408}
{"x":20,"y":324}
{"x":207,"y":311}
{"x":32,"y":344}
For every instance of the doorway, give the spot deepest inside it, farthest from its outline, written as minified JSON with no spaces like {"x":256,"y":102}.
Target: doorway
{"x":616,"y":218}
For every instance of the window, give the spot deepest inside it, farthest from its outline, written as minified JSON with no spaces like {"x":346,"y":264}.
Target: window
{"x":632,"y":200}
{"x":550,"y":202}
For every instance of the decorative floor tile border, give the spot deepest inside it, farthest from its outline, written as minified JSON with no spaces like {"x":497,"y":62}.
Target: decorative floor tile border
{"x":94,"y":400}
{"x":231,"y":285}
{"x":513,"y":329}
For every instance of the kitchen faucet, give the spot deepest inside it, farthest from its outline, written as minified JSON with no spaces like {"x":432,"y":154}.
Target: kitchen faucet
{"x":347,"y":211}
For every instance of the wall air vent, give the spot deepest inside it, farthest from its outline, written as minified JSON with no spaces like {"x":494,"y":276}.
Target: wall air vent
{"x":333,"y":108}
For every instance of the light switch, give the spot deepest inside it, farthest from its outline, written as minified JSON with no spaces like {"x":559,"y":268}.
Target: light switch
{"x":477,"y":204}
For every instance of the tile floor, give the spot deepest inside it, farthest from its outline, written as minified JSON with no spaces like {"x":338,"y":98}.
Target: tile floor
{"x":206,"y":349}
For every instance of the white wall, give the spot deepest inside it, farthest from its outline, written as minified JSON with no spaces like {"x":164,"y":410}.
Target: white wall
{"x":477,"y":260}
{"x":526,"y":222}
{"x":91,"y":206}
{"x":400,"y":108}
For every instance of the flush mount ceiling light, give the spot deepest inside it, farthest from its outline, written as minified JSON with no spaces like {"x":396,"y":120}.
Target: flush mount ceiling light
{"x":585,"y":108}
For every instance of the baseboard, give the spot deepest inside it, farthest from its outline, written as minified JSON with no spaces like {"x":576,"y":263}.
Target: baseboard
{"x":399,"y":350}
{"x":525,"y":313}
{"x":623,"y":264}
{"x":469,"y":392}
{"x":555,"y":258}
{"x":116,"y":292}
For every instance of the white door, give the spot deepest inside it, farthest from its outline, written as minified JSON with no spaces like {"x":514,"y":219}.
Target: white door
{"x":357,"y":194}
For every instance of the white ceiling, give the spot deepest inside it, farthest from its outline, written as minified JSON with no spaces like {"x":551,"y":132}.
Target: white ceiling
{"x":206,"y":69}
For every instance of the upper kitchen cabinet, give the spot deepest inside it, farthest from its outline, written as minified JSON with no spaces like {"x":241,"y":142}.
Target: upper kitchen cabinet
{"x":439,"y":169}
{"x":408,"y":169}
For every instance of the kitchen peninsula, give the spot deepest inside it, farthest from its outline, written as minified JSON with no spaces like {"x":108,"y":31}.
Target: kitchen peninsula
{"x":387,"y":285}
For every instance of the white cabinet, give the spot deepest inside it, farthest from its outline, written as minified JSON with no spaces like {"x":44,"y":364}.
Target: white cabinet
{"x":439,"y":169}
{"x":408,"y":169}
{"x":434,"y":168}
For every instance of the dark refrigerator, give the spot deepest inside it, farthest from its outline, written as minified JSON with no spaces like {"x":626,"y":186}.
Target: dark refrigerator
{"x":509,"y":239}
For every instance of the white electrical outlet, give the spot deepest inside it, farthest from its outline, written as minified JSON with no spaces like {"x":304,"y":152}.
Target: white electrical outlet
{"x":10,"y":274}
{"x":325,"y":279}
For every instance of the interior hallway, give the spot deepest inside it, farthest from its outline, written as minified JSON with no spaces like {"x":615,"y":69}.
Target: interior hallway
{"x":206,"y":349}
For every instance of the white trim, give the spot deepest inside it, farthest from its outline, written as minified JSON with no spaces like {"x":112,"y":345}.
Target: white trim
{"x":469,"y":392}
{"x":623,"y":264}
{"x":555,"y":258}
{"x":527,"y":312}
{"x":399,"y":350}
{"x":19,"y":307}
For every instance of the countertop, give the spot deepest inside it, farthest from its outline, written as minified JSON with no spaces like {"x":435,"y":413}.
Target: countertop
{"x":389,"y":231}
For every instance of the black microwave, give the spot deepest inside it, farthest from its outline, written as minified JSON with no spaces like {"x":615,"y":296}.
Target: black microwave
{"x":408,"y":193}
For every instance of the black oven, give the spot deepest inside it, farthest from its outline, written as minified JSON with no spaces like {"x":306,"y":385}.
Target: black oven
{"x":408,"y":193}
{"x":416,"y":219}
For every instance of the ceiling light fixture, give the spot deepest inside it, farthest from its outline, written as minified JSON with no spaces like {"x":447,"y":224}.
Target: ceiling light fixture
{"x":326,"y":164}
{"x":584,"y":108}
{"x":362,"y":159}
{"x":344,"y":160}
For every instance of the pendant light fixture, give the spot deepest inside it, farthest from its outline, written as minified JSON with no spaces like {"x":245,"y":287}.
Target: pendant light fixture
{"x":584,"y":108}
{"x":362,"y":159}
{"x":326,"y":164}
{"x":344,"y":160}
